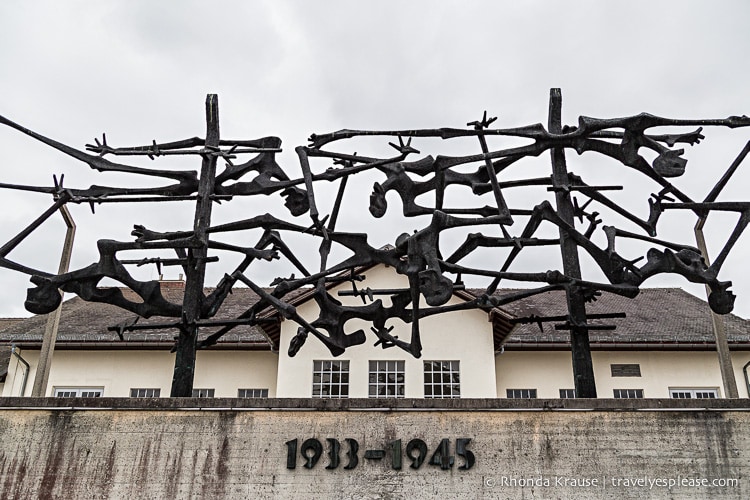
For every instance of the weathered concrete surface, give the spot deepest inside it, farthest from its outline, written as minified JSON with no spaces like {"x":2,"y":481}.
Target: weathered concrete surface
{"x":53,"y":448}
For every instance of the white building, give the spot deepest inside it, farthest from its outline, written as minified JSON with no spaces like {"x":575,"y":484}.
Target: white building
{"x":663,"y":348}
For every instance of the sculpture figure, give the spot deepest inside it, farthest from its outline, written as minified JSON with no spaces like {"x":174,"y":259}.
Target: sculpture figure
{"x":432,"y":279}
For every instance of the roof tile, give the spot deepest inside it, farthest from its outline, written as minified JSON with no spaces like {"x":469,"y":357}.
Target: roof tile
{"x":657,"y":315}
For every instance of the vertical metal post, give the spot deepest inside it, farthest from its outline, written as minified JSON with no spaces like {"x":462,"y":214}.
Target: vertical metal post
{"x":53,"y":319}
{"x":722,"y":347}
{"x":720,"y":334}
{"x":583,"y":369}
{"x":195,"y":270}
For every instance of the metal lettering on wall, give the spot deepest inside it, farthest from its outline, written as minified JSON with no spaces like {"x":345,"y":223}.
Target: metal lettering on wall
{"x":416,"y":452}
{"x":432,"y":278}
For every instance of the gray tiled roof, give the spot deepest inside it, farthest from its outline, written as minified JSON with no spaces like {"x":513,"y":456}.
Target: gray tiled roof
{"x":656,"y":315}
{"x":6,"y":322}
{"x":82,"y":321}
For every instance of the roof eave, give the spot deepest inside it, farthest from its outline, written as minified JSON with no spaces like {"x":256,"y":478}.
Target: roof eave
{"x":143,"y":345}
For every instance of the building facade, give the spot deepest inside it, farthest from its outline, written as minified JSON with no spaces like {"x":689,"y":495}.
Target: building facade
{"x":663,"y":348}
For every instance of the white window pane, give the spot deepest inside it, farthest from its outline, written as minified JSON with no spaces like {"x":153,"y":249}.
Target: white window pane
{"x":330,"y":379}
{"x":442,"y":379}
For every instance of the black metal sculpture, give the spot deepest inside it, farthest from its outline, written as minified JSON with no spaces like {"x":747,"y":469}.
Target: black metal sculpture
{"x":431,"y":278}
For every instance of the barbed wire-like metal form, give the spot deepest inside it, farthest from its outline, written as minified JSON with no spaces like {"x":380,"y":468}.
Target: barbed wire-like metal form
{"x":432,"y":279}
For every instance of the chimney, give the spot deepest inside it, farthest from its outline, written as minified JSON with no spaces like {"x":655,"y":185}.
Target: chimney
{"x":172,"y":284}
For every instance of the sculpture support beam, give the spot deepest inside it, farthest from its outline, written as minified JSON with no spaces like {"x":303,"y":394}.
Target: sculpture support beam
{"x":583,"y":369}
{"x":39,"y":389}
{"x":720,"y":333}
{"x":184,"y":367}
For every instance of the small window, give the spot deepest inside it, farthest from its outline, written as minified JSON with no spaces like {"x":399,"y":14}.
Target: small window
{"x":145,"y":393}
{"x":626,"y":370}
{"x":252,"y":393}
{"x":694,"y":393}
{"x":520,"y":393}
{"x":203,"y":393}
{"x":442,"y":379}
{"x":386,"y":379}
{"x":78,"y":392}
{"x":567,"y":393}
{"x":628,"y":393}
{"x":330,"y":379}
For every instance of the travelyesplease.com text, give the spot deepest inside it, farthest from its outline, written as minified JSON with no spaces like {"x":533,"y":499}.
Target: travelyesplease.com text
{"x":604,"y":482}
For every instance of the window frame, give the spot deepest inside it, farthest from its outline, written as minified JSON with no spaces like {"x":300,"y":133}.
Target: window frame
{"x":520,"y":393}
{"x":378,"y":375}
{"x":203,"y":393}
{"x":693,"y":392}
{"x":331,"y":376}
{"x":79,"y":392}
{"x":625,"y":370}
{"x":636,"y":393}
{"x":148,"y":392}
{"x":449,"y":368}
{"x":252,"y":393}
{"x":567,"y":393}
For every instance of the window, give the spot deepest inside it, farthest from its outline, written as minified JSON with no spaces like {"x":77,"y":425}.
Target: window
{"x":625,"y":370}
{"x":252,"y":393}
{"x":330,"y":379}
{"x":521,"y":393}
{"x":441,"y":379}
{"x":567,"y":393}
{"x":628,"y":393}
{"x":694,"y":393}
{"x":386,"y":379}
{"x":203,"y":393}
{"x":145,"y":393}
{"x":78,"y":392}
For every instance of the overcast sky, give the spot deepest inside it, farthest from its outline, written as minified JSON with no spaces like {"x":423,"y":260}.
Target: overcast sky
{"x":140,"y":70}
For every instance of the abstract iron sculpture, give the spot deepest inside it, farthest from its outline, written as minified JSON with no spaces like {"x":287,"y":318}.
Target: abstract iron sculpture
{"x":417,"y":255}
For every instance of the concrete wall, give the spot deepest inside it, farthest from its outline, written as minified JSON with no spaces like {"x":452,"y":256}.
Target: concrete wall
{"x":119,"y":371}
{"x":464,"y":335}
{"x":534,"y":449}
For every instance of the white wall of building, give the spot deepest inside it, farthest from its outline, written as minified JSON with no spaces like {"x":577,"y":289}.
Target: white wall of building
{"x":545,"y":371}
{"x":116,"y":372}
{"x":227,"y":371}
{"x":550,"y":371}
{"x":464,"y":335}
{"x":14,"y":380}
